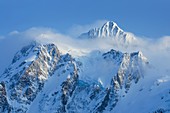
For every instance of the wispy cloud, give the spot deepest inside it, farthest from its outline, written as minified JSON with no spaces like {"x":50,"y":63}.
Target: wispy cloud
{"x":1,"y":37}
{"x":76,"y":29}
{"x":156,"y":50}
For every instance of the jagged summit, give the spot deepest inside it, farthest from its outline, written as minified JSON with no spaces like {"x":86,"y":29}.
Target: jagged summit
{"x":40,"y":79}
{"x":109,"y":29}
{"x":31,"y":67}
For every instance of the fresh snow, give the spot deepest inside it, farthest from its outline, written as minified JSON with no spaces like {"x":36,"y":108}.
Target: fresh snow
{"x":150,"y":94}
{"x":51,"y":85}
{"x":96,"y":68}
{"x":147,"y":96}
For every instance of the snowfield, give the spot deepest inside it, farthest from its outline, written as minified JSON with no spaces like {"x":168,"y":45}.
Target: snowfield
{"x":103,"y":71}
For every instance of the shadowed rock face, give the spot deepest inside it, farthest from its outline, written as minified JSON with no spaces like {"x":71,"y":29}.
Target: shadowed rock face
{"x":130,"y":69}
{"x":4,"y":106}
{"x":24,"y":80}
{"x":41,"y":72}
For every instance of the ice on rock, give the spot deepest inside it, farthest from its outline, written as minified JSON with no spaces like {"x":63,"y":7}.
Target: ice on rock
{"x":109,"y":30}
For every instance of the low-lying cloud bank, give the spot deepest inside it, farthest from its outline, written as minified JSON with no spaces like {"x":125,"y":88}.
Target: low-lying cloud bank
{"x":156,"y":50}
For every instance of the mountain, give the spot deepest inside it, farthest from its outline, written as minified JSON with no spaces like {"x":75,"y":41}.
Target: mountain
{"x":44,"y":79}
{"x":109,"y":30}
{"x":25,"y":77}
{"x":41,"y":79}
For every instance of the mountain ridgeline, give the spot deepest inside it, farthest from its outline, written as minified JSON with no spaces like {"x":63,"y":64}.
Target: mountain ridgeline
{"x":42,"y":79}
{"x":35,"y":66}
{"x":109,"y":30}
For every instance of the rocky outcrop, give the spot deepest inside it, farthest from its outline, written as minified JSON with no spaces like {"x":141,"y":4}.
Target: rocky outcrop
{"x":41,"y":79}
{"x":4,"y":105}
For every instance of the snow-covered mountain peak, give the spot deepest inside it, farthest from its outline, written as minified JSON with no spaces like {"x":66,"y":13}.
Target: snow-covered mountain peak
{"x":109,"y":30}
{"x":139,"y":55}
{"x":42,"y":78}
{"x":110,"y":23}
{"x":31,"y":67}
{"x":34,"y":60}
{"x":24,"y":51}
{"x":111,"y":26}
{"x":117,"y":55}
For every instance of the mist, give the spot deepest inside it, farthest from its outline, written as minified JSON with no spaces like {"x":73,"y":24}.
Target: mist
{"x":156,"y":50}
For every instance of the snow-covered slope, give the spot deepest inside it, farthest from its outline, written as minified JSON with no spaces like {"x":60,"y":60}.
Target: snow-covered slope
{"x":25,"y":77}
{"x":149,"y":95}
{"x":78,"y":94}
{"x":41,"y":79}
{"x":109,"y":30}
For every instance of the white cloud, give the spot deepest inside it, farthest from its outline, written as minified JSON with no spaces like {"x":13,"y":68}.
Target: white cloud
{"x":1,"y":37}
{"x":76,"y":29}
{"x":156,"y":50}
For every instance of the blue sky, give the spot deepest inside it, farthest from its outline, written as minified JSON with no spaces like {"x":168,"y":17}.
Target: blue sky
{"x":149,"y":18}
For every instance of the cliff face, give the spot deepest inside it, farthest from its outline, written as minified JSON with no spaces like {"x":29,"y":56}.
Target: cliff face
{"x":41,"y":79}
{"x":25,"y":77}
